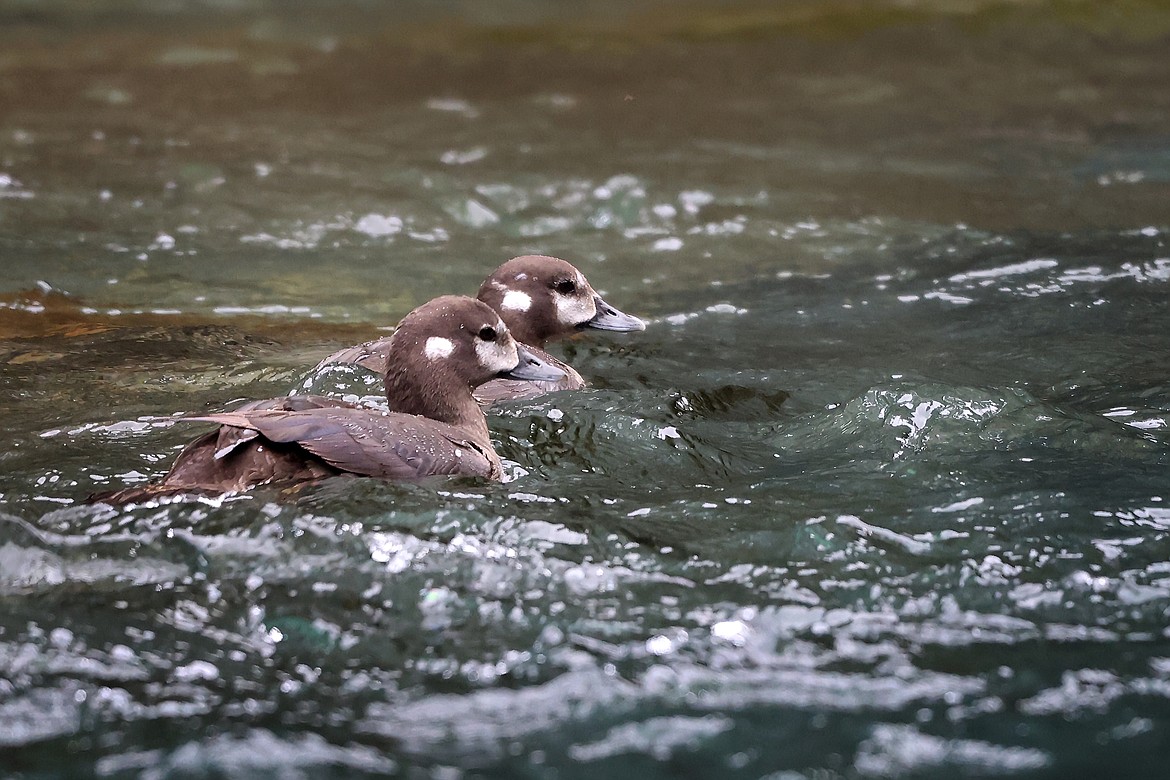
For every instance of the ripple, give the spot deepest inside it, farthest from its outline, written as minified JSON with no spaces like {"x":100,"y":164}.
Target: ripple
{"x":255,"y":753}
{"x":658,"y":738}
{"x":479,"y":725}
{"x":893,"y":751}
{"x":913,"y":420}
{"x":40,"y":715}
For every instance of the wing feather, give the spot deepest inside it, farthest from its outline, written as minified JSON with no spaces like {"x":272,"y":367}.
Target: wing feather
{"x":371,"y":355}
{"x":367,"y":442}
{"x":232,"y":437}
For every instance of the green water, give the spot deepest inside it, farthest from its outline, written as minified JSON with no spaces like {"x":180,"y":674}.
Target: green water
{"x":881,"y":491}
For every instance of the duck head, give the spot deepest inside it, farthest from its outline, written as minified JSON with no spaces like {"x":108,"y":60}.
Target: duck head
{"x":447,"y":347}
{"x":543,"y":298}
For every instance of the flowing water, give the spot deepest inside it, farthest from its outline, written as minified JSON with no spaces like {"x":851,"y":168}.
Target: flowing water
{"x":881,"y":491}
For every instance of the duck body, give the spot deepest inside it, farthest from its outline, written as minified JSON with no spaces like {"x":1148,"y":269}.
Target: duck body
{"x":440,"y":352}
{"x":540,"y":299}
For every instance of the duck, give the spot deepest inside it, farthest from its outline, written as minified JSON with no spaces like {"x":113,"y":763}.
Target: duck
{"x":439,"y":353}
{"x":540,"y":298}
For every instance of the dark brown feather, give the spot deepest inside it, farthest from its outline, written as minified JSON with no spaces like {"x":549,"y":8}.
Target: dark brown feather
{"x":366,"y":442}
{"x":300,"y":438}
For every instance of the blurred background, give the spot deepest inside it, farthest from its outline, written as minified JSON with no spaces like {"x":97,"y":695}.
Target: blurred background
{"x":880,"y":492}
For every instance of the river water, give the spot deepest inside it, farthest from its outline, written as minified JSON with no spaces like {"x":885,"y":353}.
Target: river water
{"x":881,"y":491}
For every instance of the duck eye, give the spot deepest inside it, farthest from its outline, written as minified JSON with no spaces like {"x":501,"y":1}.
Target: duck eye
{"x":565,"y":287}
{"x":487,"y":333}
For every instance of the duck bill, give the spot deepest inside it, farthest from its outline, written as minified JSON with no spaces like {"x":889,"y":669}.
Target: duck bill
{"x":533,"y":368}
{"x":610,"y":318}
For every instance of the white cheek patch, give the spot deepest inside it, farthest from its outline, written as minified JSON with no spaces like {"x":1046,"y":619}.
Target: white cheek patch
{"x":496,"y":356}
{"x":574,"y":311}
{"x":438,"y":348}
{"x":514,"y":300}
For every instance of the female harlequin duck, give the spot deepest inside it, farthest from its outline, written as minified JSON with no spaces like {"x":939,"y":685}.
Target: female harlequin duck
{"x":540,"y":299}
{"x":440,"y":352}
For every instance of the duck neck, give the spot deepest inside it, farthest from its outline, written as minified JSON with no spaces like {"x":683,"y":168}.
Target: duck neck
{"x":439,"y":398}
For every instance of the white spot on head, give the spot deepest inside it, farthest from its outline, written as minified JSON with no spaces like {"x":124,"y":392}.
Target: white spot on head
{"x":514,"y":300}
{"x":438,"y":348}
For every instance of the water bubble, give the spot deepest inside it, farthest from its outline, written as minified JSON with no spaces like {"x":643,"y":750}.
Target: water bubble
{"x":61,"y":637}
{"x":201,"y":670}
{"x":463,"y":157}
{"x":659,"y":645}
{"x":670,"y":244}
{"x":378,"y":225}
{"x":454,"y":106}
{"x":734,"y":631}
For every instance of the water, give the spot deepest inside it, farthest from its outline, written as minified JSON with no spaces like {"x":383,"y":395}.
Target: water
{"x":881,"y":491}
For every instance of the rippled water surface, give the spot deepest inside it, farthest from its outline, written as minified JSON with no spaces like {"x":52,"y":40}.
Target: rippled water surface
{"x":881,"y":491}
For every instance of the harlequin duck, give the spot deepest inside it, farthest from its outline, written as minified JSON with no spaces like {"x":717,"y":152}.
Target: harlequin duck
{"x":439,"y":353}
{"x":541,"y":299}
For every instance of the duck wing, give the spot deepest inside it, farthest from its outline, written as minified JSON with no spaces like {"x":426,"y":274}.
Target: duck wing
{"x":367,"y":442}
{"x":229,"y":438}
{"x":370,"y":356}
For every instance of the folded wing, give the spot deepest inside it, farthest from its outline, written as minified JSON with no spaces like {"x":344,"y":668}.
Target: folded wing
{"x":371,"y":356}
{"x":363,"y":441}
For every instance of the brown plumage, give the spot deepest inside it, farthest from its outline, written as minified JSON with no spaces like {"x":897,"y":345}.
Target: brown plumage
{"x":439,"y":353}
{"x":540,"y":299}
